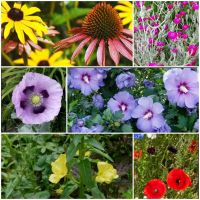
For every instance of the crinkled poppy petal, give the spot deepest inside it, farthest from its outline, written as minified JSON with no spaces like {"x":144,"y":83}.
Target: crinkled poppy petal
{"x":122,"y":49}
{"x":101,"y":53}
{"x":80,"y":47}
{"x":114,"y":54}
{"x":90,"y":50}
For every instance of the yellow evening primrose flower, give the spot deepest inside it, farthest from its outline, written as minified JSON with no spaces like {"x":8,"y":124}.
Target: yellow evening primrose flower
{"x":59,"y":168}
{"x":126,"y":13}
{"x":43,"y":58}
{"x":106,"y":173}
{"x":19,"y":18}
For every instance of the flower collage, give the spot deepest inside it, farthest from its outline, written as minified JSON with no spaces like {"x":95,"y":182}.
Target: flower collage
{"x":99,"y":99}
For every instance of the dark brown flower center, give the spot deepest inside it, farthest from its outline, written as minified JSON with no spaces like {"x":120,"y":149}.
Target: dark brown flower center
{"x":43,"y":63}
{"x":15,"y":14}
{"x":102,"y":22}
{"x":178,"y":181}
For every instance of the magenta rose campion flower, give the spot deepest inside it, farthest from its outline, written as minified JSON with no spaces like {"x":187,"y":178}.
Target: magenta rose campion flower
{"x":149,"y":115}
{"x":37,"y":98}
{"x":86,"y":80}
{"x":124,"y":102}
{"x":182,"y":87}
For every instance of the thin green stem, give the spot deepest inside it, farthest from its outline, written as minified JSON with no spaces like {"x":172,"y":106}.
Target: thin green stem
{"x":7,"y":58}
{"x":81,"y":156}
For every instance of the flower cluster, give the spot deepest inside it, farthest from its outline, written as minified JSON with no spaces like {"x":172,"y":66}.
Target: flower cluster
{"x":165,"y":32}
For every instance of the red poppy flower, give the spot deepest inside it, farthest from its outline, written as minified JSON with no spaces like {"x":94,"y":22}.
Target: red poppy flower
{"x":193,"y":147}
{"x":177,"y":179}
{"x":137,"y":154}
{"x":155,"y":189}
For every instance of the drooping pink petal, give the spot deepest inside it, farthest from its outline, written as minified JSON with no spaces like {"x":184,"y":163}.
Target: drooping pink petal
{"x":45,"y":41}
{"x":80,"y":47}
{"x":90,"y":50}
{"x":101,"y":53}
{"x":9,"y":46}
{"x":127,"y":32}
{"x":122,"y":49}
{"x":20,"y":49}
{"x":126,"y":43}
{"x":67,"y":41}
{"x":114,"y":54}
{"x":27,"y":48}
{"x":36,"y":46}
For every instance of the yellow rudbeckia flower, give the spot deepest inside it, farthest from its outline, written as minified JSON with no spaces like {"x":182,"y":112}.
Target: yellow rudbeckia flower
{"x":19,"y":19}
{"x":43,"y":58}
{"x":126,"y":13}
{"x":106,"y":173}
{"x":59,"y":168}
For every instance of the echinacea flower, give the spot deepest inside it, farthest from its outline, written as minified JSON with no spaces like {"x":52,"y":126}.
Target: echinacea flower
{"x":177,"y":179}
{"x":125,"y":80}
{"x":44,"y":58}
{"x":37,"y":98}
{"x":155,"y":189}
{"x":86,"y":80}
{"x":124,"y":102}
{"x":101,"y":28}
{"x":59,"y":168}
{"x":182,"y":87}
{"x":106,"y":173}
{"x":126,"y":13}
{"x":19,"y":19}
{"x":193,"y":146}
{"x":149,"y":114}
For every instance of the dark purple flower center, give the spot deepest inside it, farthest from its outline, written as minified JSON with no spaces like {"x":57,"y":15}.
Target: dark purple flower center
{"x":123,"y":106}
{"x":148,"y":115}
{"x":34,"y":99}
{"x":43,"y":63}
{"x":183,"y":88}
{"x":15,"y":14}
{"x":86,"y":78}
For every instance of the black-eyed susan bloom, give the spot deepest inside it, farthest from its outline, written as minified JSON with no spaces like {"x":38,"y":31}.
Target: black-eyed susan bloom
{"x":19,"y":19}
{"x":126,"y":13}
{"x":45,"y":58}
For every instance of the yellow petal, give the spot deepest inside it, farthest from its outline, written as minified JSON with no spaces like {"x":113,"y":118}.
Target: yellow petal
{"x":122,"y":8}
{"x":4,"y":18}
{"x":17,"y":5}
{"x":19,"y":32}
{"x":124,"y":14}
{"x":43,"y":54}
{"x":34,"y":18}
{"x":54,"y":178}
{"x":19,"y":61}
{"x":62,"y":63}
{"x":30,"y":11}
{"x":130,"y":26}
{"x":29,"y":33}
{"x":8,"y":28}
{"x":126,"y":20}
{"x":5,"y":5}
{"x":59,"y":166}
{"x":35,"y":58}
{"x":126,"y":3}
{"x":55,"y":56}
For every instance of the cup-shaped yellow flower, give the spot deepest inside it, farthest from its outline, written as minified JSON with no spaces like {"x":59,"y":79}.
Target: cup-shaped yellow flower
{"x":45,"y":58}
{"x":19,"y":19}
{"x":125,"y":9}
{"x":106,"y":173}
{"x":59,"y":168}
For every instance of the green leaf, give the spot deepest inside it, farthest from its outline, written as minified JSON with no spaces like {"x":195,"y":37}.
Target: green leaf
{"x":77,"y":139}
{"x":78,"y":12}
{"x":42,"y":195}
{"x":102,"y":154}
{"x":85,"y":172}
{"x":118,"y":115}
{"x":11,"y":186}
{"x":68,"y":189}
{"x":127,"y":128}
{"x":71,"y":151}
{"x":93,"y":142}
{"x":107,"y":114}
{"x":97,"y":194}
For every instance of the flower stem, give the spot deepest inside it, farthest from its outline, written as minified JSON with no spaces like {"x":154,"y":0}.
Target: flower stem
{"x":7,"y":58}
{"x":81,"y":156}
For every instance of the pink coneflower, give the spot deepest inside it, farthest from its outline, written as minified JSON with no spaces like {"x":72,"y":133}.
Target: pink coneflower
{"x":101,"y":28}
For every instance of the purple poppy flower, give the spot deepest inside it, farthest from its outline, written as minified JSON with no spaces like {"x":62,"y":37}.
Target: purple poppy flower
{"x":86,"y":80}
{"x":98,"y":101}
{"x":124,"y":102}
{"x":148,"y":114}
{"x":196,"y":125}
{"x":37,"y":98}
{"x":182,"y":87}
{"x":125,"y":80}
